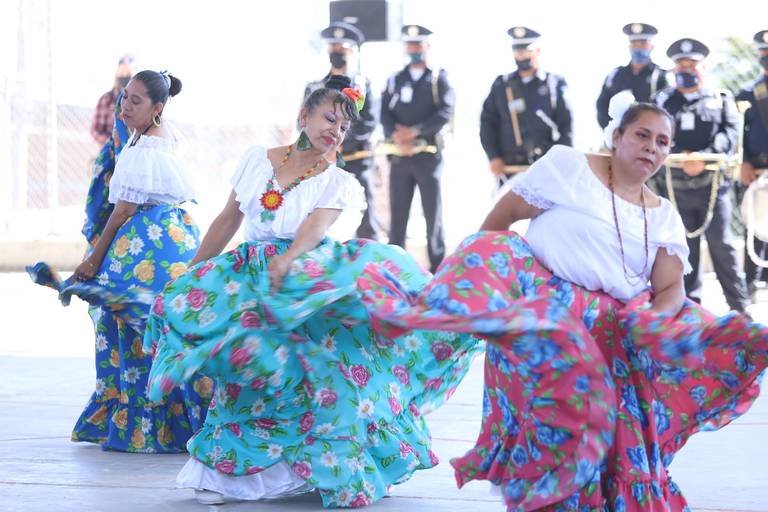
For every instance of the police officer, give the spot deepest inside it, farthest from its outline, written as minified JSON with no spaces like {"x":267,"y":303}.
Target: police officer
{"x":641,"y":76}
{"x":344,"y":41}
{"x":706,"y":122}
{"x":416,"y":104}
{"x":755,"y":143}
{"x":526,"y":111}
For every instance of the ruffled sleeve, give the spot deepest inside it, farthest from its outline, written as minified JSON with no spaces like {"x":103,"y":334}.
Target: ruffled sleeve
{"x":249,"y":177}
{"x":150,"y":172}
{"x":671,"y":235}
{"x":551,"y":179}
{"x":341,"y":192}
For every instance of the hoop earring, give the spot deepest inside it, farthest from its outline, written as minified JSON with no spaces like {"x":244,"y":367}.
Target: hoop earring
{"x":156,"y":120}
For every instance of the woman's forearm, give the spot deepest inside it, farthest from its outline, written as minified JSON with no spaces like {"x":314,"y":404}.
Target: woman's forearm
{"x":508,"y":210}
{"x":668,"y":300}
{"x":311,"y":232}
{"x":667,"y":282}
{"x":121,"y":213}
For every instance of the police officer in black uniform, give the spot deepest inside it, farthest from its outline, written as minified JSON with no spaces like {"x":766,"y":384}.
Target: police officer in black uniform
{"x":526,"y":111}
{"x":641,"y":76}
{"x":344,"y":41}
{"x":756,"y":146}
{"x":706,"y":122}
{"x":416,"y":104}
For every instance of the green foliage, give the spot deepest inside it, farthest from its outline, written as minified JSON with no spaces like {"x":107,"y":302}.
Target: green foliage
{"x":736,"y":65}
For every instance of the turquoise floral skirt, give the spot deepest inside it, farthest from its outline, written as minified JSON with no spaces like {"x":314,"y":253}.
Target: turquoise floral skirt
{"x":301,"y":376}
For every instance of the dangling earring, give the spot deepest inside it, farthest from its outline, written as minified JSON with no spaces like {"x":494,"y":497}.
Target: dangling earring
{"x":303,"y":144}
{"x":340,"y":160}
{"x":156,"y":120}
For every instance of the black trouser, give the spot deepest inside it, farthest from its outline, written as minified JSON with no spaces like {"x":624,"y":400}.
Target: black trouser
{"x":363,"y":170}
{"x":692,"y":204}
{"x":422,"y":170}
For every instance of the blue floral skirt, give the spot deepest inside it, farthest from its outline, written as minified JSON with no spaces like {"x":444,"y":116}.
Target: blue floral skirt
{"x":149,"y":250}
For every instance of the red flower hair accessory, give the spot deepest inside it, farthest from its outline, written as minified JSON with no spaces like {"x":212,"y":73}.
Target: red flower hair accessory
{"x":357,"y":97}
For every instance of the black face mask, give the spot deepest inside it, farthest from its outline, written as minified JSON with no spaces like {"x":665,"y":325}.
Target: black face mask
{"x":764,"y":62}
{"x":686,"y":80}
{"x":524,"y":64}
{"x":122,"y":82}
{"x":338,"y":59}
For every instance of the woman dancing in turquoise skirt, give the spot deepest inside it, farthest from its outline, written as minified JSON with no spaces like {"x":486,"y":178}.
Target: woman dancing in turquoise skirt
{"x":307,"y":395}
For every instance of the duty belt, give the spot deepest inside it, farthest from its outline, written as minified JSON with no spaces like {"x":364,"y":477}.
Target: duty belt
{"x":514,"y":169}
{"x":682,"y":181}
{"x":759,"y":161}
{"x":357,"y":155}
{"x":418,"y":146}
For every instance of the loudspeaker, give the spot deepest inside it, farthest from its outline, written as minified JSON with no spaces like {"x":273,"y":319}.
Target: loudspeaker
{"x":378,"y":20}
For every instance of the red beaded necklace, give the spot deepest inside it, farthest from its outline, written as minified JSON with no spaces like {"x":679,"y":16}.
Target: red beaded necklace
{"x":631,"y":278}
{"x":273,"y":196}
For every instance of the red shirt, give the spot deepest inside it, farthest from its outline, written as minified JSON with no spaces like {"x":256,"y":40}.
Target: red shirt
{"x":103,"y":117}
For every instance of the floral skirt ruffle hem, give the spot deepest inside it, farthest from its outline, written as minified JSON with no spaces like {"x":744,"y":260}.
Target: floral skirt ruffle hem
{"x":300,"y":376}
{"x":586,"y":399}
{"x":148,"y":250}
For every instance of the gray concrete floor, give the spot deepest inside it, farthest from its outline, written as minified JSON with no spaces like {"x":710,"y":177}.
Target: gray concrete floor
{"x":46,"y":376}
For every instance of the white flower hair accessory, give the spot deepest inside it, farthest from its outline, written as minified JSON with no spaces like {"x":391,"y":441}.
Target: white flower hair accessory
{"x":618,"y":105}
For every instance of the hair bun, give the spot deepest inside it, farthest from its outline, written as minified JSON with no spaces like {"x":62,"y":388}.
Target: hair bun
{"x":338,"y":82}
{"x":175,"y":87}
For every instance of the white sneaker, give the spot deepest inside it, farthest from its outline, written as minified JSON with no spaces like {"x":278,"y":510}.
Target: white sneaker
{"x":206,"y":497}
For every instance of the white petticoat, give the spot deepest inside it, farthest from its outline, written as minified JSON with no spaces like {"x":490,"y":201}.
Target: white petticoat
{"x":276,"y":481}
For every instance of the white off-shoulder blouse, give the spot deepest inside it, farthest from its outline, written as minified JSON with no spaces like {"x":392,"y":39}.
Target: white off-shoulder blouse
{"x":575,"y":237}
{"x":334,"y":188}
{"x":150,"y":172}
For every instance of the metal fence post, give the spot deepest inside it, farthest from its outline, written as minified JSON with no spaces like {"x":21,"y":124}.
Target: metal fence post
{"x":52,"y":141}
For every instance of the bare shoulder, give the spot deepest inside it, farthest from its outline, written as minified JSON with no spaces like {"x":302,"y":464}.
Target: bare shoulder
{"x":276,"y":154}
{"x":275,"y":151}
{"x":652,"y":199}
{"x":598,"y":164}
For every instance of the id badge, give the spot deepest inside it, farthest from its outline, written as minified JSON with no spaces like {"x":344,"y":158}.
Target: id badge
{"x":406,"y":93}
{"x":517,"y":105}
{"x":687,"y":121}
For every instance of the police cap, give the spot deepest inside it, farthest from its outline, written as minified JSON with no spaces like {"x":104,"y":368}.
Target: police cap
{"x":761,"y":38}
{"x":344,"y":33}
{"x":415,"y":33}
{"x":639,"y":31}
{"x":687,"y":48}
{"x":522,"y":37}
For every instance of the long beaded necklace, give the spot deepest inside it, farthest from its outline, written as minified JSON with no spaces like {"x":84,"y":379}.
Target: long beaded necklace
{"x":273,"y":196}
{"x":632,"y":279}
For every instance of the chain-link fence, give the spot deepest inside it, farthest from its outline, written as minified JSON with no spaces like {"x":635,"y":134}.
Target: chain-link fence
{"x":46,"y":148}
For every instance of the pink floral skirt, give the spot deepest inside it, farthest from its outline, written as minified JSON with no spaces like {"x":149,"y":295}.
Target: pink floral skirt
{"x":586,"y":400}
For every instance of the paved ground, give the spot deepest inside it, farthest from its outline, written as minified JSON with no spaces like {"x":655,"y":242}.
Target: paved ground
{"x":46,"y":376}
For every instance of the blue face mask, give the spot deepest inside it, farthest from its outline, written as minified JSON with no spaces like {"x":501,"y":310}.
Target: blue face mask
{"x":640,"y":55}
{"x":764,"y":62}
{"x":686,"y":80}
{"x":416,"y":58}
